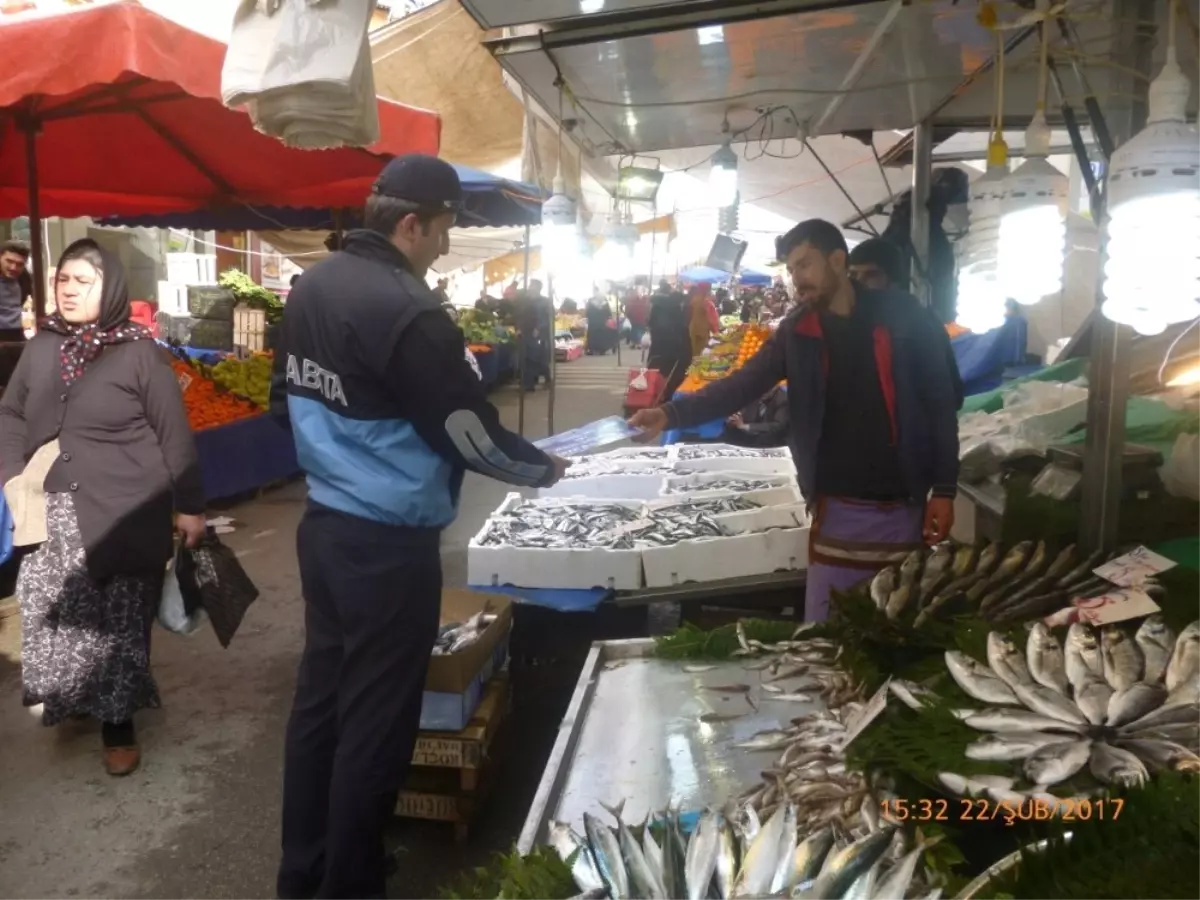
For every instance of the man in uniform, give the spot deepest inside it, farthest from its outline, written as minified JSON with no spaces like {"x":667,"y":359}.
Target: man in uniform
{"x":872,"y":412}
{"x":387,"y":414}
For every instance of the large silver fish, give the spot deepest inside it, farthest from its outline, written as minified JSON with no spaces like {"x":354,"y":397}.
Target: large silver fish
{"x":1162,"y":717}
{"x":844,"y":867}
{"x":1162,"y":755}
{"x":641,"y":878}
{"x":977,"y":681}
{"x":1185,"y":659}
{"x":1122,"y":658}
{"x":1092,"y":698}
{"x":574,"y":850}
{"x":727,"y":859}
{"x":787,"y":849}
{"x":895,"y":884}
{"x":1006,"y":660}
{"x":1045,"y":660}
{"x":863,"y":887}
{"x":1010,"y":745}
{"x":898,"y":600}
{"x":964,"y":560}
{"x":937,"y":566}
{"x":810,"y":855}
{"x":702,"y":850}
{"x":1134,"y":702}
{"x":761,"y":860}
{"x":607,"y":854}
{"x":1157,"y":642}
{"x":1083,"y":658}
{"x":1007,"y":720}
{"x":1061,"y":563}
{"x":1112,"y":765}
{"x":654,"y":857}
{"x":882,"y":586}
{"x":1049,"y":702}
{"x":1057,"y":762}
{"x":674,"y":857}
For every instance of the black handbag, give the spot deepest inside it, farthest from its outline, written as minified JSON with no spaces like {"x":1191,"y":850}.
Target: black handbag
{"x":211,"y":577}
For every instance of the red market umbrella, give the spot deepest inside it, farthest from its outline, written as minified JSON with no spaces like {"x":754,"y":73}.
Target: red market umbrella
{"x":113,"y":110}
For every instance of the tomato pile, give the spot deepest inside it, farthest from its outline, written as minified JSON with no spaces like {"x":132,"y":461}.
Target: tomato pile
{"x":208,"y":404}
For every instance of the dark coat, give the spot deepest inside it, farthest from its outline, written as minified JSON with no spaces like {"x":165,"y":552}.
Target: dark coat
{"x":128,"y":456}
{"x":910,"y":355}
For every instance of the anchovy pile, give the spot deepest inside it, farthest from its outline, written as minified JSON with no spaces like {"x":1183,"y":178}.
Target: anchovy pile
{"x":1025,"y":583}
{"x":728,"y":451}
{"x":1122,"y":705}
{"x":738,"y":485}
{"x":735,"y":855}
{"x":453,"y":637}
{"x":562,"y":526}
{"x":588,"y":469}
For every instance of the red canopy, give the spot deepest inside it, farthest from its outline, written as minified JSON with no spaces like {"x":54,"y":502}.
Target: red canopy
{"x":124,"y":109}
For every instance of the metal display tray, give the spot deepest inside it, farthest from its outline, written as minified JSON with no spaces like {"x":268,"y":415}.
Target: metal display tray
{"x":632,"y":732}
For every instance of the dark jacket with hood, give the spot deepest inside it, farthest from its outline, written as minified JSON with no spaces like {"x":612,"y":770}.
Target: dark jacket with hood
{"x":911,"y":362}
{"x":128,"y":457}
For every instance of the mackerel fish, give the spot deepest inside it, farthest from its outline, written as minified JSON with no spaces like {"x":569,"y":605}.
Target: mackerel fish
{"x":607,"y":855}
{"x":574,"y":850}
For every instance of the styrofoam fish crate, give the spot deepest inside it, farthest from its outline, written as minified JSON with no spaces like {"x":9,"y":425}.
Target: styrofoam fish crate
{"x":697,"y":482}
{"x":753,"y":465}
{"x":764,"y":519}
{"x":785,"y":495}
{"x":641,"y":453}
{"x":637,"y":479}
{"x":551,"y":567}
{"x":736,"y":556}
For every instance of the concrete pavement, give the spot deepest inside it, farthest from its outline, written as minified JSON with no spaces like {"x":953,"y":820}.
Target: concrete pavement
{"x":200,"y":818}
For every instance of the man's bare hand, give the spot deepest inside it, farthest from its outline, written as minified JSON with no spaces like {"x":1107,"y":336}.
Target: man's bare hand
{"x":939,"y":519}
{"x":560,"y":468}
{"x":736,"y":420}
{"x":650,"y":422}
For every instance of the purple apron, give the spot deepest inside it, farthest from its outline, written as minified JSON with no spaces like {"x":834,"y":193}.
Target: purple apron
{"x":852,"y":540}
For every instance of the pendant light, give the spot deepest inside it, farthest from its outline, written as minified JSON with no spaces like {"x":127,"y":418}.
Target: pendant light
{"x":1033,"y":211}
{"x":1152,"y":273}
{"x":722,"y":177}
{"x":559,"y":236}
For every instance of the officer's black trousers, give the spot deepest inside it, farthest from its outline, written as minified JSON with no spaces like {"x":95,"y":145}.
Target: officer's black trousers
{"x":372,"y":595}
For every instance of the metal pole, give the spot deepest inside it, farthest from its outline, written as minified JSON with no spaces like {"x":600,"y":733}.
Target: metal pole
{"x":1108,"y":377}
{"x":36,"y":238}
{"x":919,"y":228}
{"x":553,"y":363}
{"x":521,"y":349}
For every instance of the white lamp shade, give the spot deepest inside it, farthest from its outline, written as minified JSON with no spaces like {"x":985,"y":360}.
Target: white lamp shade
{"x":980,"y":300}
{"x":1033,"y":231}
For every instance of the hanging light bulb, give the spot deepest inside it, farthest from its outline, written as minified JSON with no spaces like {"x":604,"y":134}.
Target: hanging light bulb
{"x":559,"y":230}
{"x":1152,"y":273}
{"x":614,"y":261}
{"x":1033,"y":222}
{"x":980,"y":300}
{"x":722,"y":177}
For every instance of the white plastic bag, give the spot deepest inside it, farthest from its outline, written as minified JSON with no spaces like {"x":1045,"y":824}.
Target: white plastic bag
{"x":1180,"y":474}
{"x":639,"y":382}
{"x":172,"y":611}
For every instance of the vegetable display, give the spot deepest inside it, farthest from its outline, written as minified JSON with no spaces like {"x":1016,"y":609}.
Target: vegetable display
{"x":208,"y":404}
{"x":253,"y":295}
{"x":735,"y":347}
{"x":480,"y":327}
{"x":249,"y":378}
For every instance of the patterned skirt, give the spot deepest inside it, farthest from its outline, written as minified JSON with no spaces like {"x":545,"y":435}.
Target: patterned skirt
{"x":85,"y":646}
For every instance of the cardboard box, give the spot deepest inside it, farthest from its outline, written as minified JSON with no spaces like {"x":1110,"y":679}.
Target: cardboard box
{"x":454,"y":685}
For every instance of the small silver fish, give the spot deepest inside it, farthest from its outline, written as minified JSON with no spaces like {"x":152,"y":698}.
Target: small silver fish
{"x":1112,"y":765}
{"x":911,"y":694}
{"x":977,"y":681}
{"x":1134,"y":702}
{"x":1057,"y":762}
{"x":1009,"y":745}
{"x":1185,"y":659}
{"x":882,"y":586}
{"x":1184,"y":714}
{"x":964,"y":560}
{"x":1092,"y":698}
{"x":1045,"y":659}
{"x":1083,"y":658}
{"x":698,"y":668}
{"x":1122,"y":658}
{"x":1061,"y":563}
{"x":1006,"y":661}
{"x":1009,"y":720}
{"x":1049,"y":702}
{"x":898,"y":600}
{"x":1163,"y":755}
{"x":1156,"y":641}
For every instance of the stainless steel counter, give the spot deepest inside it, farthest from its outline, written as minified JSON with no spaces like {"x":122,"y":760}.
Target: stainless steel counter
{"x":633,"y":732}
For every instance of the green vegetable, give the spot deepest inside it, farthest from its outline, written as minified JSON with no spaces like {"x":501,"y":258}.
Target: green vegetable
{"x":255,"y":296}
{"x":539,"y":876}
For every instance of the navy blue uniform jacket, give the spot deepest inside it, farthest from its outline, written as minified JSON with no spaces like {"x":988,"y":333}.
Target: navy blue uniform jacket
{"x":919,"y":390}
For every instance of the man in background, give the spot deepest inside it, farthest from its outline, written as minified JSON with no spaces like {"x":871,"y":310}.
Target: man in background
{"x":16,"y":286}
{"x":535,"y":321}
{"x":873,"y":428}
{"x":387,"y":415}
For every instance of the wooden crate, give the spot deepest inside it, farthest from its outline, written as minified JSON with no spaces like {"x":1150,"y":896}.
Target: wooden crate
{"x":450,"y":770}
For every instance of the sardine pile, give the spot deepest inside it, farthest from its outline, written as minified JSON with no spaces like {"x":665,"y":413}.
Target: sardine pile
{"x":728,"y":451}
{"x":586,"y":468}
{"x":738,"y":485}
{"x":1025,"y":583}
{"x":733,"y":855}
{"x":613,"y":526}
{"x":456,"y":636}
{"x":1121,"y":704}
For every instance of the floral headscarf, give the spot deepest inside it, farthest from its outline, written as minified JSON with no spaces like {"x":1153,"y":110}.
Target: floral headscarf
{"x":86,"y":340}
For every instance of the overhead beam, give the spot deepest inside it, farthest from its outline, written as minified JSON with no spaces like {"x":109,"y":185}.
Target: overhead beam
{"x":850,"y":81}
{"x":632,"y":23}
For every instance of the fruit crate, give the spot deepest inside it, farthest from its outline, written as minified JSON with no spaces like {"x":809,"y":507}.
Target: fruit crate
{"x":250,"y":328}
{"x":452,"y":771}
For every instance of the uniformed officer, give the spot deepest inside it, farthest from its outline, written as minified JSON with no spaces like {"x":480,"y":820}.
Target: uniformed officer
{"x":387,"y":414}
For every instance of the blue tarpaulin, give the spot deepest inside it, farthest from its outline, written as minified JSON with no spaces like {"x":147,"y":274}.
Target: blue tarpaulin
{"x":749,"y":277}
{"x":983,"y":358}
{"x":489,"y":201}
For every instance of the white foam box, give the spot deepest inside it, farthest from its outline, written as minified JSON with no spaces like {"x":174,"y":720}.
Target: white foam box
{"x":736,"y":556}
{"x":565,"y":569}
{"x":695,"y":483}
{"x":779,"y":462}
{"x":637,"y":480}
{"x":655,"y":454}
{"x":792,"y":515}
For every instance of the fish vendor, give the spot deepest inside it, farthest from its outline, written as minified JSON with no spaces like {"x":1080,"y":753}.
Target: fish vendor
{"x":873,"y":414}
{"x":387,"y":414}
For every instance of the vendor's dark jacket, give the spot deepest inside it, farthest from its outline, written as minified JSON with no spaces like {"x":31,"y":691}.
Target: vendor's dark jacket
{"x":918,"y":391}
{"x":765,"y":422}
{"x":128,"y":456}
{"x":385,"y":409}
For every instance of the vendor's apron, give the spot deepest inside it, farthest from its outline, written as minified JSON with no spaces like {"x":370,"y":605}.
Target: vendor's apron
{"x":851,"y":541}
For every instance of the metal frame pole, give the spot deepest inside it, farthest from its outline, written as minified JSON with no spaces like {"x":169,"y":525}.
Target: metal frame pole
{"x":922,"y":174}
{"x":1108,"y":377}
{"x":552,"y":364}
{"x":521,"y":349}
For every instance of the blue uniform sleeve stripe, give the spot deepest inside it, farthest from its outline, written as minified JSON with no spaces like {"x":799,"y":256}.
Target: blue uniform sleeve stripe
{"x":472,"y":440}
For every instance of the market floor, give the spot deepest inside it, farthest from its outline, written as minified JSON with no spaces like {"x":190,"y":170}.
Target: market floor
{"x":200,"y":818}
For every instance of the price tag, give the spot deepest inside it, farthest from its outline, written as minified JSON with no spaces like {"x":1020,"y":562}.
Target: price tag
{"x":1134,"y":567}
{"x":1115,"y":606}
{"x":185,"y":381}
{"x":868,"y":714}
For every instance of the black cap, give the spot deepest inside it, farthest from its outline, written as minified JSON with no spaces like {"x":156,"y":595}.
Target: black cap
{"x":425,"y":181}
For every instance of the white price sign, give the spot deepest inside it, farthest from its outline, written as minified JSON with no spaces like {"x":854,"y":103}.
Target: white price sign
{"x":1115,"y":606}
{"x":1134,"y":567}
{"x":185,"y":381}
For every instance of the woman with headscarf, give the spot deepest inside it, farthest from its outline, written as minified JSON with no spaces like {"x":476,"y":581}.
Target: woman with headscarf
{"x":601,"y":335}
{"x":670,"y":344}
{"x":703,"y":320}
{"x":98,"y":462}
